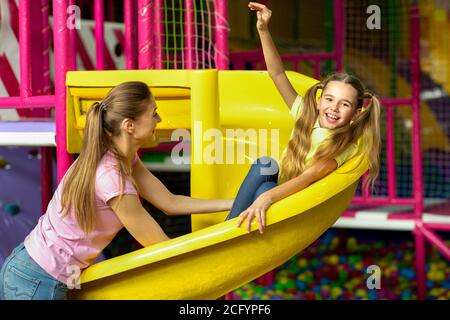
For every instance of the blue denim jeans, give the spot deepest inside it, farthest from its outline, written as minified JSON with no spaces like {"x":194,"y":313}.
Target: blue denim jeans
{"x":21,"y":278}
{"x":262,"y":176}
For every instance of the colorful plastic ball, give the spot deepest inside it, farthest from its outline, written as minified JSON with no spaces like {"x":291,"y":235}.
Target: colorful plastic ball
{"x":290,"y":284}
{"x":4,"y":164}
{"x":372,"y":295}
{"x":301,"y":286}
{"x":310,"y":296}
{"x":333,"y":259}
{"x":11,"y":208}
{"x":315,"y":263}
{"x":302,"y":262}
{"x":336,"y":292}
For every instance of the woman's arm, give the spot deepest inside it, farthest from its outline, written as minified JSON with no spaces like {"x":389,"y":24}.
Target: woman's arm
{"x":154,"y":191}
{"x":259,"y":206}
{"x":139,"y":223}
{"x":271,"y":56}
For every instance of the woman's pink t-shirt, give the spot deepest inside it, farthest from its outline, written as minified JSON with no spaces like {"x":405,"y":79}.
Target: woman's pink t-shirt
{"x":59,"y":245}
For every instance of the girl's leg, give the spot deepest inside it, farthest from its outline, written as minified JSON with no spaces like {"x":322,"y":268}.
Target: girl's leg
{"x":266,"y":186}
{"x":263,"y":170}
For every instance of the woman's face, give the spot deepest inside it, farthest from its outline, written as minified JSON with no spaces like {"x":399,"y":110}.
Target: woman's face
{"x":338,"y":105}
{"x":146,"y":123}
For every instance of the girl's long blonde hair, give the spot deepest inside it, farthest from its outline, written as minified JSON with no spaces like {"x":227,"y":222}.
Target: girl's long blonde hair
{"x":103,"y":120}
{"x":365,"y":125}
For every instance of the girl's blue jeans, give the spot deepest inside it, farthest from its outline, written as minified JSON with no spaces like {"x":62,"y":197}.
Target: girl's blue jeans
{"x":21,"y":278}
{"x":262,"y":176}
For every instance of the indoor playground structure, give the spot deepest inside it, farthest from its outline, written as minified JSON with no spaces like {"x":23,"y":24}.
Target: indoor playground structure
{"x":54,"y":63}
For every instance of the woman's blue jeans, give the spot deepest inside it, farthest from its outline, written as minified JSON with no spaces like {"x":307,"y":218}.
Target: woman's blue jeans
{"x":262,"y":176}
{"x":21,"y":278}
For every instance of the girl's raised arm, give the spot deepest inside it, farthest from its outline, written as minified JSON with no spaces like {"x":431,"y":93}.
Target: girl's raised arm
{"x":271,"y":56}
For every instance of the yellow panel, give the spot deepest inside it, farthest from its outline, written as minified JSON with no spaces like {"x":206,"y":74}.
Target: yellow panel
{"x":87,"y":87}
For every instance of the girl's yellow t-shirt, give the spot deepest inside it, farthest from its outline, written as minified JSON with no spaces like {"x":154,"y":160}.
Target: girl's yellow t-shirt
{"x":319,"y":135}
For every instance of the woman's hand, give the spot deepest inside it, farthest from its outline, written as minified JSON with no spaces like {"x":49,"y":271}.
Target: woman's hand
{"x":263,"y":13}
{"x":258,"y":210}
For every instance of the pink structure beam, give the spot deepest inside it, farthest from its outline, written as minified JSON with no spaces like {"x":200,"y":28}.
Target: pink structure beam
{"x":221,"y":35}
{"x":435,"y":240}
{"x":25,"y":48}
{"x":99,"y":17}
{"x":390,"y":145}
{"x":417,"y":151}
{"x":189,"y":31}
{"x":383,"y":201}
{"x":73,"y":44}
{"x":144,"y":34}
{"x":159,"y":34}
{"x":23,"y":103}
{"x":130,"y":31}
{"x":438,"y":226}
{"x":339,"y":34}
{"x":61,"y":41}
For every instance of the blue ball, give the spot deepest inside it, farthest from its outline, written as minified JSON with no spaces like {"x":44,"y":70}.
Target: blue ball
{"x":317,"y":289}
{"x":372,"y":295}
{"x":301,"y":286}
{"x":11,"y":208}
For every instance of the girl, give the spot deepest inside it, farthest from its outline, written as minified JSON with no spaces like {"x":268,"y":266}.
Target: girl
{"x":96,"y":198}
{"x":325,"y":134}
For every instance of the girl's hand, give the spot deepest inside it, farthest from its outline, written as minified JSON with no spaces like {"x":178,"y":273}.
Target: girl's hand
{"x":258,"y":210}
{"x":263,"y":13}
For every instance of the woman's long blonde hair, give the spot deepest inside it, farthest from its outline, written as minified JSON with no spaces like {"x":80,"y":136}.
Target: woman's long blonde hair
{"x":365,"y":125}
{"x":103,"y":120}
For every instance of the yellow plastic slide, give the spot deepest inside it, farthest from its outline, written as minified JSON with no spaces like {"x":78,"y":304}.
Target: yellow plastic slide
{"x":231,"y":118}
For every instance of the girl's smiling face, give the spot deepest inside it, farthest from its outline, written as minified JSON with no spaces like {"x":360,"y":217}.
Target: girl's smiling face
{"x":338,"y":105}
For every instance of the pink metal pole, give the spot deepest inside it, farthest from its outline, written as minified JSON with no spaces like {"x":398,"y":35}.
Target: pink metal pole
{"x":159,"y":34}
{"x":46,"y":48}
{"x":144,"y":34}
{"x":25,"y":48}
{"x":416,"y":134}
{"x":46,"y":152}
{"x":438,"y":226}
{"x":396,"y":102}
{"x":130,"y":32}
{"x":19,"y":103}
{"x":392,"y":187}
{"x":383,"y":201}
{"x":435,"y":240}
{"x":99,"y":17}
{"x":339,"y":33}
{"x":73,"y":44}
{"x":221,"y":34}
{"x":417,"y":151}
{"x":189,"y":32}
{"x":419,"y":240}
{"x":61,"y":42}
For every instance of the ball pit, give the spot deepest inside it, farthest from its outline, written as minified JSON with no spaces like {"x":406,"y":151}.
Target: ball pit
{"x":335,"y":268}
